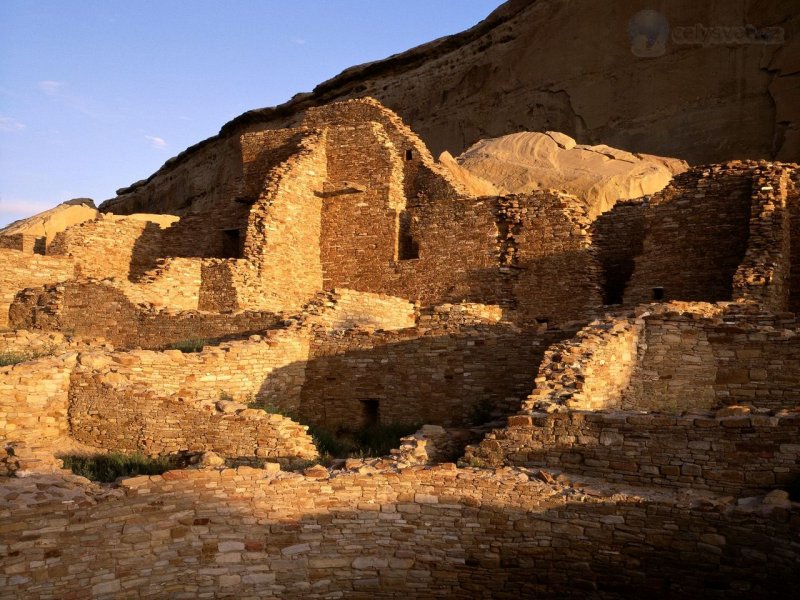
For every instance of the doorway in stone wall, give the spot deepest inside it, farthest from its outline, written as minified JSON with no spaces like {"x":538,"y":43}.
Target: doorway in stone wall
{"x":370,"y":412}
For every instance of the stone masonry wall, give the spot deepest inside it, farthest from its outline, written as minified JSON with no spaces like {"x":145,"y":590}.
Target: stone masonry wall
{"x":696,"y":235}
{"x":283,"y":233}
{"x":672,"y":358}
{"x":742,"y":454}
{"x":33,"y":399}
{"x":618,"y":236}
{"x":261,"y":369}
{"x":793,"y":207}
{"x":764,"y":275}
{"x":136,"y":419}
{"x":21,"y":270}
{"x":441,"y":377}
{"x":589,"y":371}
{"x":112,"y":246}
{"x":420,"y":533}
{"x":93,"y":309}
{"x":361,"y":206}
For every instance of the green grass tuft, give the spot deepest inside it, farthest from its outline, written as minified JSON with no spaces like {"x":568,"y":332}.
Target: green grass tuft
{"x":109,"y":467}
{"x":189,"y":346}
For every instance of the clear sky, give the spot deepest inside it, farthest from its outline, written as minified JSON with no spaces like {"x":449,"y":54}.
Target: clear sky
{"x":96,"y":94}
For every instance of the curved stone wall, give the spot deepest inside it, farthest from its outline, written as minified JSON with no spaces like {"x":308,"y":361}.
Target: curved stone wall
{"x":417,"y":533}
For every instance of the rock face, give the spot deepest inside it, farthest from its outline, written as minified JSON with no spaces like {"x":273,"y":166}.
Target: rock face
{"x":50,"y":222}
{"x":600,"y":175}
{"x":578,"y":67}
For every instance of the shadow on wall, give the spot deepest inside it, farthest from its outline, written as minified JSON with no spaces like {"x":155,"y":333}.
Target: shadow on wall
{"x":558,"y":288}
{"x":146,"y":251}
{"x":501,"y":543}
{"x":363,"y":378}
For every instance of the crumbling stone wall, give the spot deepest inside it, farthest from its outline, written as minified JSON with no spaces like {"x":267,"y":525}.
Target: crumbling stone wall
{"x":793,"y":207}
{"x":246,"y":532}
{"x":740,"y":454}
{"x":21,"y":270}
{"x":696,"y":236}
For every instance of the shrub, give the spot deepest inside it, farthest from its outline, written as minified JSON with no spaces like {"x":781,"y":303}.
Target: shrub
{"x":13,"y":358}
{"x":189,"y":346}
{"x":108,"y":467}
{"x":371,"y":441}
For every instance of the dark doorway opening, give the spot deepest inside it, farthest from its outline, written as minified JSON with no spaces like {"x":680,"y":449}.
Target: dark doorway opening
{"x":409,"y":155}
{"x":231,"y":243}
{"x":407,"y":246}
{"x":370,"y":413}
{"x":658,"y":293}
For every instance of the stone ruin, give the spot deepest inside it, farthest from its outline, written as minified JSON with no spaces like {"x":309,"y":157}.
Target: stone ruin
{"x":638,"y":373}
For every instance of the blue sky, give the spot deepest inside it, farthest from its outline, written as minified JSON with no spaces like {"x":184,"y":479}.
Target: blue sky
{"x":96,"y":94}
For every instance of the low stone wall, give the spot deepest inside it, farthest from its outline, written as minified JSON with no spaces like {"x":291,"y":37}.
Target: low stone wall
{"x":99,"y":309}
{"x":445,"y":376}
{"x":21,"y":270}
{"x":738,"y":454}
{"x":268,"y":369}
{"x":135,"y":419}
{"x":23,"y":242}
{"x":419,"y":533}
{"x":34,"y":399}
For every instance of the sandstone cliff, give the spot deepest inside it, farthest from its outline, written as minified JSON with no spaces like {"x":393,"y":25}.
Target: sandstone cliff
{"x":577,"y":67}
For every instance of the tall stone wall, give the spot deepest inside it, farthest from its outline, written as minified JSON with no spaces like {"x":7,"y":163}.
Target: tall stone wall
{"x":764,"y":275}
{"x":793,"y":207}
{"x":283,"y":233}
{"x":554,"y":274}
{"x":21,"y":270}
{"x":696,"y":236}
{"x":363,"y":198}
{"x":438,"y":532}
{"x":741,"y":455}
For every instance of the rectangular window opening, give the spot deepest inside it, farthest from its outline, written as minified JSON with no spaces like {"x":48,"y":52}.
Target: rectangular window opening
{"x":409,"y":154}
{"x":658,"y":293}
